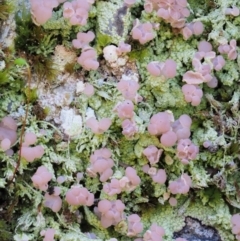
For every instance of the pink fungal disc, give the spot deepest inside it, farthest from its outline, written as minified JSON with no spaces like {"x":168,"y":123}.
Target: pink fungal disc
{"x":129,"y":3}
{"x":173,"y":201}
{"x":218,"y":62}
{"x":134,"y":179}
{"x":79,"y":196}
{"x":53,"y":202}
{"x":160,"y":176}
{"x":204,"y":46}
{"x":159,"y":123}
{"x":8,"y":132}
{"x":207,"y":143}
{"x":155,"y":232}
{"x":181,"y":185}
{"x":198,"y":28}
{"x":88,"y":90}
{"x":142,"y":32}
{"x":29,"y":139}
{"x":154,"y":68}
{"x":98,"y":127}
{"x":88,"y":59}
{"x":168,"y":139}
{"x":234,"y":11}
{"x":235,"y":221}
{"x":83,"y":39}
{"x":31,"y":153}
{"x":41,"y":178}
{"x":112,"y":188}
{"x":5,"y":144}
{"x":111,"y":212}
{"x":213,"y":83}
{"x":123,"y":48}
{"x":68,"y":10}
{"x":135,"y":225}
{"x":169,"y":69}
{"x":192,"y":94}
{"x":128,"y":88}
{"x":101,"y":163}
{"x":186,"y":151}
{"x":129,"y":128}
{"x":153,"y":154}
{"x":48,"y":234}
{"x":9,"y":122}
{"x":61,"y":179}
{"x":104,"y":124}
{"x":185,"y":120}
{"x":125,"y":109}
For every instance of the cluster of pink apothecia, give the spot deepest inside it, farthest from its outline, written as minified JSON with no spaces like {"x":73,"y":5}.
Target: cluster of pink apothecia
{"x":204,"y":62}
{"x":162,"y":124}
{"x":8,"y":137}
{"x":109,"y":212}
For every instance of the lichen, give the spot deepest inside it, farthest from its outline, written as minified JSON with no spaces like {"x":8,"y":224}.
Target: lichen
{"x":40,"y":76}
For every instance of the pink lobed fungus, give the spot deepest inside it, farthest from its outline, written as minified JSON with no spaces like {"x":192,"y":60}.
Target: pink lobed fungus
{"x":101,"y":163}
{"x":234,"y":11}
{"x":157,"y":175}
{"x":128,"y":88}
{"x":83,"y":40}
{"x":186,"y":151}
{"x":53,"y":201}
{"x":79,"y":196}
{"x":166,"y":69}
{"x":153,"y":154}
{"x":125,"y":109}
{"x":41,"y":10}
{"x":131,"y":180}
{"x":143,"y":32}
{"x":88,"y":59}
{"x":192,"y":94}
{"x":181,"y":185}
{"x":135,"y":226}
{"x":8,"y":134}
{"x":204,"y":46}
{"x":229,"y":49}
{"x":194,"y":28}
{"x":129,"y":128}
{"x":235,"y":221}
{"x":48,"y":234}
{"x":98,"y":127}
{"x":154,"y":233}
{"x":113,"y":187}
{"x":129,"y":3}
{"x":173,"y":201}
{"x":182,"y":127}
{"x":123,"y":48}
{"x":31,"y":153}
{"x":41,"y":178}
{"x":77,"y":11}
{"x":173,"y":12}
{"x":110,"y":212}
{"x":159,"y":123}
{"x":88,"y":90}
{"x":168,"y":138}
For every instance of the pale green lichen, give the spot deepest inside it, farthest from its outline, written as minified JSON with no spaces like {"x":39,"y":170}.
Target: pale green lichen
{"x":113,"y":21}
{"x":214,"y":173}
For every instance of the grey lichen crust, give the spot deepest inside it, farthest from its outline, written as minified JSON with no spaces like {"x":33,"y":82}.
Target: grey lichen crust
{"x":58,"y":110}
{"x":113,"y":20}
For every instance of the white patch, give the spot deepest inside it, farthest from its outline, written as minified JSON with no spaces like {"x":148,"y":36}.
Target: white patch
{"x":71,"y":123}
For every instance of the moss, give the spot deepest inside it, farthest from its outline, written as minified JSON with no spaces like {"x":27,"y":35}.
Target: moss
{"x":6,"y":8}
